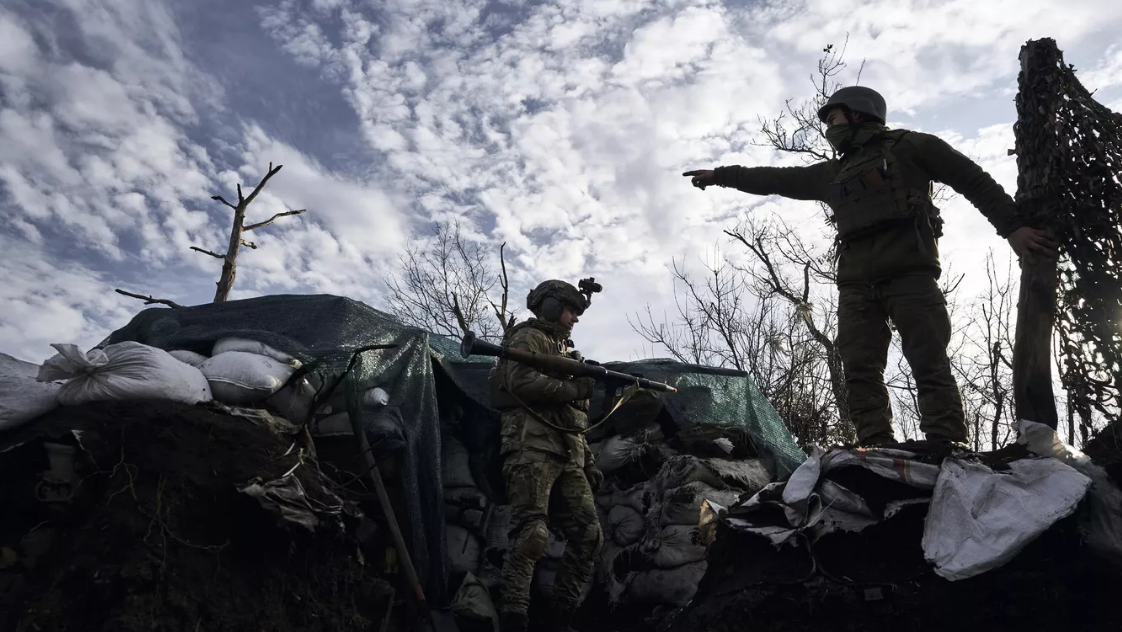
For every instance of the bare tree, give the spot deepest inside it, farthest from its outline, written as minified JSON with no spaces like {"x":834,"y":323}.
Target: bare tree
{"x":238,"y":229}
{"x":445,"y":287}
{"x":748,"y":317}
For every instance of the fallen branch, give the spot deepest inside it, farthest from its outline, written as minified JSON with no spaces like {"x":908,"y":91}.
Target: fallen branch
{"x":148,"y":300}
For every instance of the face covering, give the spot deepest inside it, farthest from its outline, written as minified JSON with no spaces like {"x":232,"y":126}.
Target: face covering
{"x":845,"y":137}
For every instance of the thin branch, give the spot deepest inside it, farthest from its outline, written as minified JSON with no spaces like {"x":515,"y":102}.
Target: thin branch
{"x":223,"y":200}
{"x":207,"y":252}
{"x":148,"y":300}
{"x":272,"y":172}
{"x":273,"y":218}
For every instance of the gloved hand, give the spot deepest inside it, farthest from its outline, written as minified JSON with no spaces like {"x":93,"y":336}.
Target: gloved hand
{"x":594,"y":475}
{"x":584,"y":387}
{"x":574,"y":354}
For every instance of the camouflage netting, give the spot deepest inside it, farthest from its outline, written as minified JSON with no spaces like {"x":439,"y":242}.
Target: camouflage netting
{"x":1069,"y":154}
{"x":431,"y":385}
{"x":706,"y":397}
{"x":325,"y":331}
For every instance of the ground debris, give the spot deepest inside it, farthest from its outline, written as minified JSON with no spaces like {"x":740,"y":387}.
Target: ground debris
{"x":157,"y":535}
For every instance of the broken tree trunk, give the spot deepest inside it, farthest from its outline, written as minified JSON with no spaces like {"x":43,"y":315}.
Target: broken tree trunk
{"x":237,"y":230}
{"x":1039,"y":201}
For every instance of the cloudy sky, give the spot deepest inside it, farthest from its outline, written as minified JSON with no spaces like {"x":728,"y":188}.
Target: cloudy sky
{"x":558,"y":127}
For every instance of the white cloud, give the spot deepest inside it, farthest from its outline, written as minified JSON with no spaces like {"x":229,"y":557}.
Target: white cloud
{"x":557,"y":127}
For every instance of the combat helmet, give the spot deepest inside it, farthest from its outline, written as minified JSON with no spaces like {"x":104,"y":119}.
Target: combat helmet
{"x":856,"y":99}
{"x":548,"y":299}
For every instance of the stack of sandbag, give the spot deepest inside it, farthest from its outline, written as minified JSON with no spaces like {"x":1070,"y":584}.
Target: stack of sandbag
{"x":123,"y":371}
{"x":655,"y":532}
{"x":22,"y":396}
{"x":466,"y":509}
{"x":244,"y":372}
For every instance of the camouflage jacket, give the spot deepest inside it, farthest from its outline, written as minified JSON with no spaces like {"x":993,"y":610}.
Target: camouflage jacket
{"x":549,"y":398}
{"x":895,"y":249}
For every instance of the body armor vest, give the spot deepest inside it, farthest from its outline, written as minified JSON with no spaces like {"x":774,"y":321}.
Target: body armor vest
{"x":868,"y":193}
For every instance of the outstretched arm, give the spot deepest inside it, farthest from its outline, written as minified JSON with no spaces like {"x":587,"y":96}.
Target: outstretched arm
{"x":799,"y":183}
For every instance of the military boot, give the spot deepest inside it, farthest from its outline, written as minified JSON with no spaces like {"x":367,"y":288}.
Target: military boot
{"x":512,"y":622}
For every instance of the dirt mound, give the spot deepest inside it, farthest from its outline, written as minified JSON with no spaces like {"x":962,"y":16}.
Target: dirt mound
{"x":157,"y":535}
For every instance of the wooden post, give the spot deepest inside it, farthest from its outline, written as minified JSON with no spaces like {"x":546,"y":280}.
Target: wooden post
{"x":1038,"y":199}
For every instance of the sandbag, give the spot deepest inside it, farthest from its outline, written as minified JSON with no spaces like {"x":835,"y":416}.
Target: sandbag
{"x":294,"y":401}
{"x":240,"y":378}
{"x":463,"y":549}
{"x":616,"y":452}
{"x":626,"y":525}
{"x":675,"y":586}
{"x":24,"y":398}
{"x":14,"y":367}
{"x":473,"y":602}
{"x":243,"y":345}
{"x":124,"y":371}
{"x":466,"y":497}
{"x":636,"y":497}
{"x":674,"y":546}
{"x":747,"y":475}
{"x":455,"y":463}
{"x":188,"y":357}
{"x":682,"y":505}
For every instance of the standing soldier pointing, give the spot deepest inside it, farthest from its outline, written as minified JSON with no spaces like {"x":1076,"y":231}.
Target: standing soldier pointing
{"x":879,"y":190}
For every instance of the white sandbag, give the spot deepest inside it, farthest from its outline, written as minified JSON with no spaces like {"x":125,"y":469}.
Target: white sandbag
{"x":455,"y":463}
{"x":617,"y":452}
{"x":683,"y":504}
{"x":239,"y":378}
{"x":124,"y":371}
{"x":188,"y":357}
{"x":625,"y":524}
{"x":242,"y":345}
{"x":473,"y":602}
{"x":24,"y":398}
{"x":463,"y":549}
{"x":375,"y":397}
{"x":980,"y":519}
{"x":14,"y":367}
{"x":676,"y":545}
{"x":674,"y":586}
{"x":294,"y":401}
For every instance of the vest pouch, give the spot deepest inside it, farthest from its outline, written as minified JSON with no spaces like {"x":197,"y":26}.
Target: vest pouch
{"x":868,"y":193}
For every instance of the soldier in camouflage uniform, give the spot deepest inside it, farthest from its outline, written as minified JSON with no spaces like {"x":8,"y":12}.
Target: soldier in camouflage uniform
{"x":879,"y":189}
{"x":546,"y":458}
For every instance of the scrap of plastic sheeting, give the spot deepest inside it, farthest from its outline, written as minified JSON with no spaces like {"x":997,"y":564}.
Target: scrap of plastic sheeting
{"x":1101,"y":522}
{"x":286,"y":498}
{"x":979,"y":519}
{"x":897,"y":465}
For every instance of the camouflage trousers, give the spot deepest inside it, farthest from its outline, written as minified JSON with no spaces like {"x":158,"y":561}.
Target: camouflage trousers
{"x":533,"y":480}
{"x":918,"y":309}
